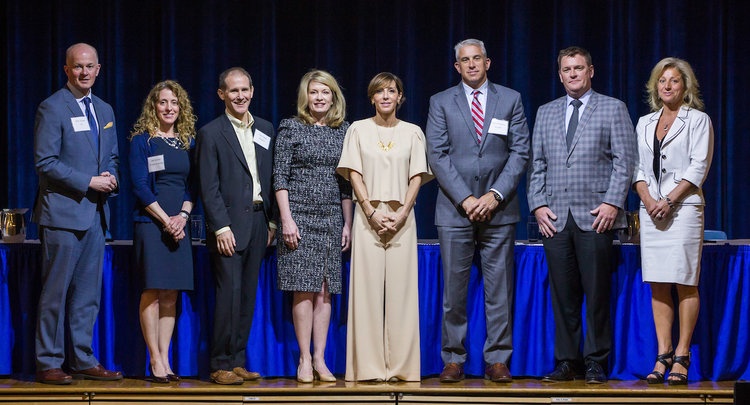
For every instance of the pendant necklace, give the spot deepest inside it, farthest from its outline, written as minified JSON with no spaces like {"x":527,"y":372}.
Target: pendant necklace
{"x":383,"y":146}
{"x":173,"y":142}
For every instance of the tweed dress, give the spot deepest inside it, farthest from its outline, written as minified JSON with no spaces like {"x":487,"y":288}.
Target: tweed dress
{"x":305,"y":163}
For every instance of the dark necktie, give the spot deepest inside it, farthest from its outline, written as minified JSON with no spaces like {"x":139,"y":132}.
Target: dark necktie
{"x":573,"y":124}
{"x":92,"y":122}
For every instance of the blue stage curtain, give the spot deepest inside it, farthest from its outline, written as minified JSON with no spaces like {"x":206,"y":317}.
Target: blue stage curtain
{"x":721,"y":343}
{"x":140,"y":43}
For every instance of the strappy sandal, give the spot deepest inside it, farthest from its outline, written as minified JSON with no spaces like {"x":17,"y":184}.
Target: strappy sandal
{"x":680,"y":378}
{"x":665,"y":359}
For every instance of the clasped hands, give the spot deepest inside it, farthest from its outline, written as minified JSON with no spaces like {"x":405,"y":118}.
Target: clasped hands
{"x":480,"y":209}
{"x":387,"y":225}
{"x":175,"y":227}
{"x":658,"y":209}
{"x":104,"y":183}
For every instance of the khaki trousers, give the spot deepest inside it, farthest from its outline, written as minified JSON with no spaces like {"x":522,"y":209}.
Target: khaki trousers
{"x":382,"y":339}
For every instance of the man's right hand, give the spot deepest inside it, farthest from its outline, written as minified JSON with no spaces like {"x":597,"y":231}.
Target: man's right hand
{"x":225,"y":243}
{"x":103,"y":184}
{"x":544,"y":217}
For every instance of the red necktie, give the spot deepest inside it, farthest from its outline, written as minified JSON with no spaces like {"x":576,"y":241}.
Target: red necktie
{"x":477,"y":114}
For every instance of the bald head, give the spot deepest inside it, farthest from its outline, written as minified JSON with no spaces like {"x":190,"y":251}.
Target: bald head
{"x":81,"y":67}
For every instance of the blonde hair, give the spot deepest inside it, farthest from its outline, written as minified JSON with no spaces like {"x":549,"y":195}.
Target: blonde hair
{"x":692,"y":96}
{"x":148,"y":122}
{"x":336,"y":114}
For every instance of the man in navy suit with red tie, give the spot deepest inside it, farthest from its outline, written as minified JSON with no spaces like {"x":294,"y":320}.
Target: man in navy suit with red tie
{"x":76,"y":157}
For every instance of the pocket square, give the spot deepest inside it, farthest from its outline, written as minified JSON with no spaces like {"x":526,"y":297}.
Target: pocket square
{"x":109,"y":125}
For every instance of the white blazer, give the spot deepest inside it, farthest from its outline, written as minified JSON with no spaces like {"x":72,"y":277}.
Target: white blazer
{"x":686,"y":153}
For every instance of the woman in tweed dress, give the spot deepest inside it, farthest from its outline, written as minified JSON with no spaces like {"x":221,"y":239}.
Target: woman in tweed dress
{"x":315,"y":209}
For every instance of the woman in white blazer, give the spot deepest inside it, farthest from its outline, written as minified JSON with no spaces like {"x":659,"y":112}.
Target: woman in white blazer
{"x":675,"y":145}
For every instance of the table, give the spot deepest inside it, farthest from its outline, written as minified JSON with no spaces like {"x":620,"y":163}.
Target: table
{"x":721,"y":344}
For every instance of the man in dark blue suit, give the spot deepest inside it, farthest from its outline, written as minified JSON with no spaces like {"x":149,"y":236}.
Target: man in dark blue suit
{"x":75,"y":151}
{"x":235,"y":160}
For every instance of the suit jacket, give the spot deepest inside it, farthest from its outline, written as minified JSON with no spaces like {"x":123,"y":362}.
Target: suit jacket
{"x":226,"y":186}
{"x":464,"y":167}
{"x":597,"y":168}
{"x":66,"y":160}
{"x":686,"y":153}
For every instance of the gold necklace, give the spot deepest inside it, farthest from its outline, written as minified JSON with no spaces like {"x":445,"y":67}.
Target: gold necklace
{"x":385,"y":147}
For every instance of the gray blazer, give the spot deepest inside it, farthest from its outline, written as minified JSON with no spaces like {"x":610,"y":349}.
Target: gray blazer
{"x":464,"y":167}
{"x":597,"y":168}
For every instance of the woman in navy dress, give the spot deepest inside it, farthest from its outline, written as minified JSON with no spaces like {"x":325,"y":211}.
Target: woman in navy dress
{"x":160,"y":165}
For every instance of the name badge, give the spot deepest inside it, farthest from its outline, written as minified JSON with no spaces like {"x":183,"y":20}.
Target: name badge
{"x":498,"y":127}
{"x":80,"y":124}
{"x":262,"y":139}
{"x":156,"y":163}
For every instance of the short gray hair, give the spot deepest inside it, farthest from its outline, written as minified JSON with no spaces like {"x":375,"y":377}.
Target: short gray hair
{"x":470,"y":42}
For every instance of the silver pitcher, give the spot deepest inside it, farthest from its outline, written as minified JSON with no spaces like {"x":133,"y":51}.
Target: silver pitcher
{"x":13,"y":225}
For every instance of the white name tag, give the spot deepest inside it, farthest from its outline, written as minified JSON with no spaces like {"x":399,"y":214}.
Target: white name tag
{"x":80,"y":124}
{"x":499,"y":127}
{"x":156,"y":163}
{"x":262,"y":139}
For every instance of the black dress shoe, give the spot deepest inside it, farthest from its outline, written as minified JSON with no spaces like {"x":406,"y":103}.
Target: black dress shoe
{"x":565,"y":371}
{"x":595,"y":373}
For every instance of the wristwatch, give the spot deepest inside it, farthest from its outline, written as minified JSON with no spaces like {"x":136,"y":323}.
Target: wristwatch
{"x":184,"y":214}
{"x":498,"y":197}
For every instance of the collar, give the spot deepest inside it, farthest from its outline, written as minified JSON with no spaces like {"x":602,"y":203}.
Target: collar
{"x":79,"y":99}
{"x":238,"y":123}
{"x":584,"y":98}
{"x":468,"y":90}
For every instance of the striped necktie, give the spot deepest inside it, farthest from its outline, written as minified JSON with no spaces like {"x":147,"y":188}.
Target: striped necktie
{"x":477,"y":114}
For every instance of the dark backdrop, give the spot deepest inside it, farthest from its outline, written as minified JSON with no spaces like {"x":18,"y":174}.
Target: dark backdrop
{"x":142,"y":42}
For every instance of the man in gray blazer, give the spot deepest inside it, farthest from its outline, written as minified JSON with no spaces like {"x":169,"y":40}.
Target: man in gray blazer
{"x":582,"y":161}
{"x":478,"y":148}
{"x":235,"y":161}
{"x":76,"y":156}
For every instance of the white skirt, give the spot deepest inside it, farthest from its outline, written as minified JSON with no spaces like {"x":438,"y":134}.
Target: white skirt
{"x":671,"y":249}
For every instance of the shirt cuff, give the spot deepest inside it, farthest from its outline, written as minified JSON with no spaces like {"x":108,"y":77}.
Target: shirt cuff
{"x":221,"y":230}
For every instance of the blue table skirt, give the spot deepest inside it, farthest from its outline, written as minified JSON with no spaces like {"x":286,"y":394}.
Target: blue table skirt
{"x":721,"y":344}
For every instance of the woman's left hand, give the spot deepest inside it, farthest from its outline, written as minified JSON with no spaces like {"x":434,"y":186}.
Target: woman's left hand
{"x":661,"y":210}
{"x":176,"y":227}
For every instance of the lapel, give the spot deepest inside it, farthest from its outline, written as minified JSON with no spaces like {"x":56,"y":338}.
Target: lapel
{"x":493,"y":101}
{"x":101,"y":121}
{"x":588,"y":112}
{"x":463,"y":109}
{"x":227,"y":131}
{"x":677,"y":126}
{"x":75,"y":111}
{"x":648,"y":130}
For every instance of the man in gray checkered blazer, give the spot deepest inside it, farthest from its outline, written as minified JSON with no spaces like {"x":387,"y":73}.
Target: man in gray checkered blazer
{"x":583,"y":148}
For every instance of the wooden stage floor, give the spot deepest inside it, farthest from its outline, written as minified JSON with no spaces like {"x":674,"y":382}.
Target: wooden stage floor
{"x":428,"y":391}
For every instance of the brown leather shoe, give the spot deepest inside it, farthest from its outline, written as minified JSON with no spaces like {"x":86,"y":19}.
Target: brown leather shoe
{"x":54,"y":376}
{"x":225,"y":377}
{"x":498,"y":372}
{"x":246,"y":375}
{"x":97,"y":373}
{"x":452,"y":372}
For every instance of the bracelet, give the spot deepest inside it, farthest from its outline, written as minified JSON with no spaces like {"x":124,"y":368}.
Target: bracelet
{"x":184,"y":214}
{"x":369,"y":217}
{"x":669,"y":202}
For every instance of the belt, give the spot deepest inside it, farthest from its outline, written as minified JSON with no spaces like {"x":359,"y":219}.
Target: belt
{"x":258,"y":206}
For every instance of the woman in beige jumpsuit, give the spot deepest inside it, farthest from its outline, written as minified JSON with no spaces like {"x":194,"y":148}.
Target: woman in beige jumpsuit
{"x":385,"y":161}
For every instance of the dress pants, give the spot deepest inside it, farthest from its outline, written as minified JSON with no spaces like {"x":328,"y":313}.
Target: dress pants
{"x":382,"y":340}
{"x":580,"y":263}
{"x":236,"y":280}
{"x":496,"y":250}
{"x":71,"y":289}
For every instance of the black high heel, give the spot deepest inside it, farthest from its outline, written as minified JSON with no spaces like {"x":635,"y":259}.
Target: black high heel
{"x":681,"y":378}
{"x":156,"y":379}
{"x":173,"y":377}
{"x":666,"y":359}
